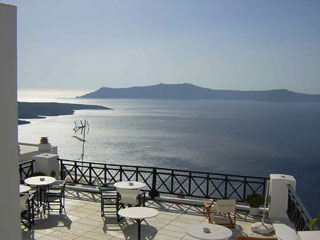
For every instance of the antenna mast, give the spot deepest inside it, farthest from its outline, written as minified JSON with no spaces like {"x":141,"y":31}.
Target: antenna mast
{"x":83,"y":127}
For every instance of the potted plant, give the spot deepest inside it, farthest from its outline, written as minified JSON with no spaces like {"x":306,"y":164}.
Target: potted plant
{"x":254,"y":200}
{"x":314,"y":222}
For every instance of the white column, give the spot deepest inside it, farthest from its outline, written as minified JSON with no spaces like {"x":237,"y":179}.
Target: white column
{"x":9,"y":177}
{"x":279,"y":194}
{"x":47,"y":163}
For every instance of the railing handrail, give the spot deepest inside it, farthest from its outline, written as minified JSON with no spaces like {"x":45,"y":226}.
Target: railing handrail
{"x":299,"y":214}
{"x":161,"y":168}
{"x":291,"y":190}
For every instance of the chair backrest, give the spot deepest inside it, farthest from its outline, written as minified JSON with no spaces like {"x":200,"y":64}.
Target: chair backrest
{"x":23,"y":201}
{"x":129,"y":196}
{"x":254,"y":238}
{"x":226,"y":205}
{"x":104,"y":187}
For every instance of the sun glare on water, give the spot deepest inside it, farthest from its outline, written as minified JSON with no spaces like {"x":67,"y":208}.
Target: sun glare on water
{"x":47,"y":95}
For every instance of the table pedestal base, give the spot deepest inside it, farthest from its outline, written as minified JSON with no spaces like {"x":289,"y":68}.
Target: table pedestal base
{"x":139,"y":228}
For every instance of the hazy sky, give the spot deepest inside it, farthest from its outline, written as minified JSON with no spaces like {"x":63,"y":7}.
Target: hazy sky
{"x":220,"y":44}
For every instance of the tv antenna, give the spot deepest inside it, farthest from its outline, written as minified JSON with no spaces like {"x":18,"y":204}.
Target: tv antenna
{"x":81,"y":126}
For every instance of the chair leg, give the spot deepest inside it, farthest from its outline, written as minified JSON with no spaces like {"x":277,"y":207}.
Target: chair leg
{"x":209,"y":218}
{"x":29,"y":215}
{"x":46,"y":206}
{"x":60,"y":209}
{"x":232,"y":221}
{"x":207,"y":211}
{"x":45,"y":203}
{"x":26,"y":219}
{"x":118,"y":207}
{"x":144,"y":199}
{"x":102,"y":207}
{"x":32,"y":209}
{"x":63,"y":202}
{"x":29,"y":220}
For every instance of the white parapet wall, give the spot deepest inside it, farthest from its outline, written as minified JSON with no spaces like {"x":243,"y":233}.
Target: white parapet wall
{"x":9,"y":177}
{"x":279,"y":194}
{"x":28,"y":150}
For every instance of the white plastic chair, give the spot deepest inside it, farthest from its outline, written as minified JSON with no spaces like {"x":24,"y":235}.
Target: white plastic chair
{"x":129,"y":196}
{"x":222,"y":206}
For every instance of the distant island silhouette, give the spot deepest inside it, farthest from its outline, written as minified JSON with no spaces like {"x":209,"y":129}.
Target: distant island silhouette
{"x":190,"y":91}
{"x":29,"y":110}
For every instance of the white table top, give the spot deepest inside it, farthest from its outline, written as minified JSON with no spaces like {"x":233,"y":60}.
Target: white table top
{"x":217,"y":232}
{"x":24,"y":188}
{"x":138,"y":212}
{"x":309,"y":235}
{"x":130,"y":185}
{"x":40,"y":180}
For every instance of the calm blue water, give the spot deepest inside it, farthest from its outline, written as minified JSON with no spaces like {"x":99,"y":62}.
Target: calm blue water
{"x":247,"y":138}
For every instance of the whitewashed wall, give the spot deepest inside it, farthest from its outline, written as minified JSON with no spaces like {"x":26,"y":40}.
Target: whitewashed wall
{"x":9,"y":178}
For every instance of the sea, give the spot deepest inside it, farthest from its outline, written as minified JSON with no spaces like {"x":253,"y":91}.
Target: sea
{"x":233,"y":137}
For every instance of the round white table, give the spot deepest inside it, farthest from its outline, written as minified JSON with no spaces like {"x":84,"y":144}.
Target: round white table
{"x":129,"y":185}
{"x":210,"y":231}
{"x":138,"y":214}
{"x":39,"y":181}
{"x":24,"y":188}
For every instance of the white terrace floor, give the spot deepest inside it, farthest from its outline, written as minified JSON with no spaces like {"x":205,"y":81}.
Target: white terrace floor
{"x":82,"y":220}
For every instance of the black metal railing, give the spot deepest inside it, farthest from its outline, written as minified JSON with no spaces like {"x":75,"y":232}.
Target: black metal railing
{"x":297,"y":212}
{"x":166,"y":181}
{"x":25,"y":169}
{"x":176,"y":182}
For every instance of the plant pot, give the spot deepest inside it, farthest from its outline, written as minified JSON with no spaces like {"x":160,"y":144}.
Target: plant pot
{"x":254,"y":211}
{"x":44,"y":140}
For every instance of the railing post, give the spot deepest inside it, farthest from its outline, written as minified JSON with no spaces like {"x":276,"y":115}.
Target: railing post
{"x":75,"y":172}
{"x":226,"y":187}
{"x":154,"y":193}
{"x":61,"y":169}
{"x":172,"y":174}
{"x":105,"y":174}
{"x":137,"y":173}
{"x":264,"y":187}
{"x":189,"y":188}
{"x":207,"y":188}
{"x":244,"y":189}
{"x":90,"y":174}
{"x":120,"y":173}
